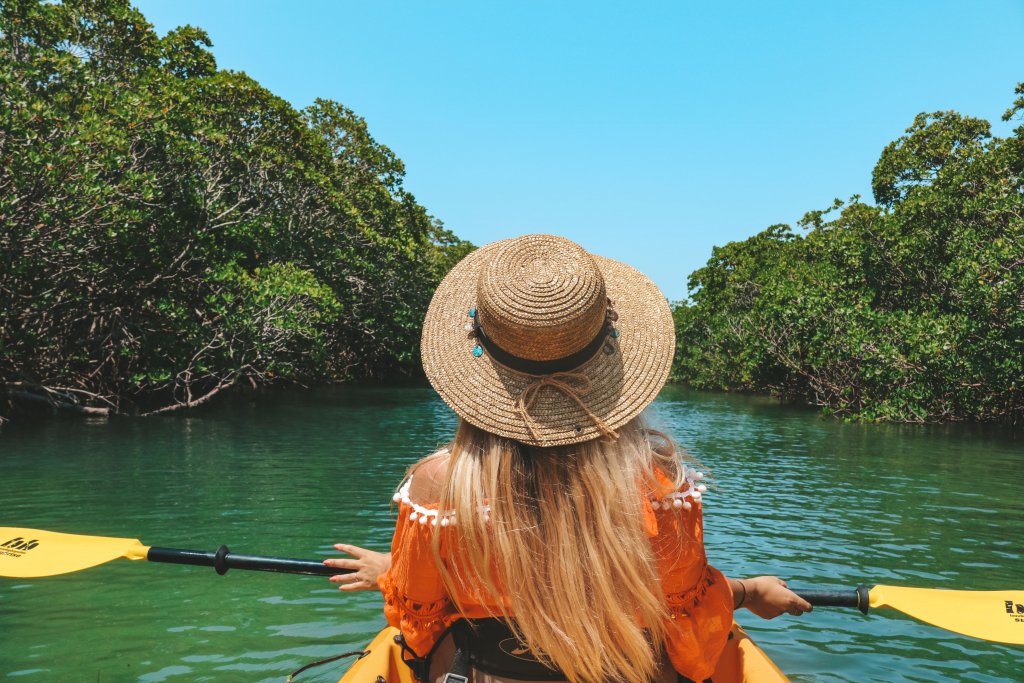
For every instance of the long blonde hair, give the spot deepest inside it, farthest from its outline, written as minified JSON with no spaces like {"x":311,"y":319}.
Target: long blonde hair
{"x":556,"y":537}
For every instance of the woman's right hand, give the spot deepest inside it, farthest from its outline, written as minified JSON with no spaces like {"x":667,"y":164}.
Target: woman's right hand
{"x":367,"y":567}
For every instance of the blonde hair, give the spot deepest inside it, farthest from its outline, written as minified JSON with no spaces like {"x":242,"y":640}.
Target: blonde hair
{"x":563,"y":547}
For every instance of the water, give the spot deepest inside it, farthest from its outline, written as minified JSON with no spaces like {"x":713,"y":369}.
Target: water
{"x":820,"y":503}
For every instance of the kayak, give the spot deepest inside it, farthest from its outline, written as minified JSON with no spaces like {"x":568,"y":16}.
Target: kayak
{"x":742,"y":662}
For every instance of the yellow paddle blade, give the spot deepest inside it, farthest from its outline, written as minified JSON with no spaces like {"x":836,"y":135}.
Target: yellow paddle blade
{"x":989,"y":615}
{"x":27,"y":553}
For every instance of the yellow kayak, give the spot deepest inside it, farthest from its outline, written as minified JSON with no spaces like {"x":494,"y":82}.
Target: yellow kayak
{"x":742,"y":662}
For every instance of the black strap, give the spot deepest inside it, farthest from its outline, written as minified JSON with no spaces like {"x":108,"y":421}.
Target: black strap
{"x":544,"y":367}
{"x":420,"y":666}
{"x":459,"y":672}
{"x":328,"y":660}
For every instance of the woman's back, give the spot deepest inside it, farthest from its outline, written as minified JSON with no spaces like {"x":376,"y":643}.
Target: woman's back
{"x":602,"y":552}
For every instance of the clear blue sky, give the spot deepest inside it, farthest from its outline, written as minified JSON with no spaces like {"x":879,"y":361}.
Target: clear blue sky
{"x":648,"y":132}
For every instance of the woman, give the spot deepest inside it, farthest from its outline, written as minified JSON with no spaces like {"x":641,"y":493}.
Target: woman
{"x":556,"y":529}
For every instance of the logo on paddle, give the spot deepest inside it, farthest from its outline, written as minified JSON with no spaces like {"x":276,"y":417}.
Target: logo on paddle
{"x":1016,"y":609}
{"x":16,"y":547}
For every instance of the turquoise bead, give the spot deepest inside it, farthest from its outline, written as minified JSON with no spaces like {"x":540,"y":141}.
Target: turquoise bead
{"x":472,"y":312}
{"x":478,"y":351}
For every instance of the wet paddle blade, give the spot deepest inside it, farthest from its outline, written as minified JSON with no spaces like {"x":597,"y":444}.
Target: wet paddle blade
{"x":28,"y":553}
{"x":989,"y":615}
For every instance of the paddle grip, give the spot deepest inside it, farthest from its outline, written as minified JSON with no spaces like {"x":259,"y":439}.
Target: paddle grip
{"x":846,"y":598}
{"x":222,"y":560}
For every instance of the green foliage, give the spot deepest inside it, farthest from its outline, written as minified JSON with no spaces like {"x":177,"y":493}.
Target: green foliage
{"x":909,"y":311}
{"x":168,"y":229}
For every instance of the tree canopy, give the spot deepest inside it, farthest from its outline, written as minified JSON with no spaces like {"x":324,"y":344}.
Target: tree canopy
{"x":909,"y":310}
{"x":168,"y":229}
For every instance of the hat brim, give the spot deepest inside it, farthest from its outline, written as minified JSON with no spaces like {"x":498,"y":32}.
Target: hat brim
{"x":615,"y":387}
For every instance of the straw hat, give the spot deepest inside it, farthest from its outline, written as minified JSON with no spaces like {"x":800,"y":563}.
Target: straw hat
{"x":537,"y":340}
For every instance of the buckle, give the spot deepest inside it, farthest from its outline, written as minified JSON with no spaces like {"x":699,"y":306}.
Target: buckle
{"x":454,"y":678}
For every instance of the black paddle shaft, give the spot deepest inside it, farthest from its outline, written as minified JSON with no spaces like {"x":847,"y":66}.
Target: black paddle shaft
{"x":223,"y":559}
{"x":848,"y":598}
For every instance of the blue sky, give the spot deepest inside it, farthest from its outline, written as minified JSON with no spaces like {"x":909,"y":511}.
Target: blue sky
{"x":649,"y":131}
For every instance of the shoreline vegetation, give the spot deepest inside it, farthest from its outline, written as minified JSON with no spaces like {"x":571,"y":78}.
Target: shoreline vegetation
{"x":170,"y":231}
{"x":909,"y":310}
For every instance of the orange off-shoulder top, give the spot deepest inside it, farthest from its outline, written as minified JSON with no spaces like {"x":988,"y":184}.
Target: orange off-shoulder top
{"x":698,"y":595}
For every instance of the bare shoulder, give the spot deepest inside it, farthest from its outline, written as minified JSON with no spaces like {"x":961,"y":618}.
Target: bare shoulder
{"x":428,"y":478}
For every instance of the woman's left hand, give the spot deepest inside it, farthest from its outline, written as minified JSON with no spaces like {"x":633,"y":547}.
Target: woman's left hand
{"x":367,"y":567}
{"x":769,"y":596}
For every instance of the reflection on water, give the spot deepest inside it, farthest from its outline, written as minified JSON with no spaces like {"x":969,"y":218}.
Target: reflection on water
{"x":821,"y":503}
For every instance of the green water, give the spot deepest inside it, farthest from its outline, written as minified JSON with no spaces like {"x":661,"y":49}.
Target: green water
{"x":820,"y":503}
